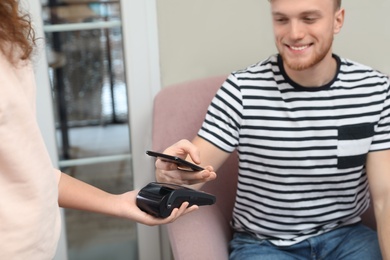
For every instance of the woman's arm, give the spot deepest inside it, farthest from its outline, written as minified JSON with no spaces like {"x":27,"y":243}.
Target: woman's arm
{"x":76,"y":194}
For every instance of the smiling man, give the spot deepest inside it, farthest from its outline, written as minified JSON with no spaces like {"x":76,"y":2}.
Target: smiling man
{"x":304,"y":32}
{"x":312,"y":131}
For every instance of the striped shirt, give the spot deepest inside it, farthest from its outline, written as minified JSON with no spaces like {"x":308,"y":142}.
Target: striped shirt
{"x":301,"y":150}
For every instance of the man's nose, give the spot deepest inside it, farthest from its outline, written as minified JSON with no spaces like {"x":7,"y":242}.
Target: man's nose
{"x":297,"y":31}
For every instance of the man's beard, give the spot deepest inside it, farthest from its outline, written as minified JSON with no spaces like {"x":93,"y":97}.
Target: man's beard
{"x":314,"y":60}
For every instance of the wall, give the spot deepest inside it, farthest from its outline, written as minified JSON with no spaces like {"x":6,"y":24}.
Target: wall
{"x":213,"y":37}
{"x":366,"y":33}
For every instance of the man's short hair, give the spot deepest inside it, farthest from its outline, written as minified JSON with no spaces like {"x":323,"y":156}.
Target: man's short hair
{"x":337,"y":4}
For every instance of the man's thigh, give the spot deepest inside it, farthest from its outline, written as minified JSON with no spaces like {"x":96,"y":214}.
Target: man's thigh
{"x":351,"y":242}
{"x":246,"y":247}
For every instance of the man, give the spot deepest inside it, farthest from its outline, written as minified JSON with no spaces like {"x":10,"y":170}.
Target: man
{"x":312,"y":132}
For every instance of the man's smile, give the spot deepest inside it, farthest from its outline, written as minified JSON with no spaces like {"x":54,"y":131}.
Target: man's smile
{"x":298,"y":48}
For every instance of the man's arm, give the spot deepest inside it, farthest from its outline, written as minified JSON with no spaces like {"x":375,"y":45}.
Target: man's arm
{"x":378,"y":172}
{"x":199,"y":151}
{"x":76,"y":194}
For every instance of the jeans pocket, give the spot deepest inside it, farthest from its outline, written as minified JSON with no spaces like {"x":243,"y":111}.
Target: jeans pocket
{"x":353,"y":145}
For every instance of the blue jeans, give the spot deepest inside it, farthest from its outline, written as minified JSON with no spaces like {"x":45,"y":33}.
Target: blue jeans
{"x":355,"y":242}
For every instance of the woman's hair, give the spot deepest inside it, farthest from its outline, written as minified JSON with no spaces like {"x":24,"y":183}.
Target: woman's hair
{"x":17,"y":37}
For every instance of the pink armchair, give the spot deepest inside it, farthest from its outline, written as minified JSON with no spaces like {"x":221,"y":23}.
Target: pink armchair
{"x":179,"y":111}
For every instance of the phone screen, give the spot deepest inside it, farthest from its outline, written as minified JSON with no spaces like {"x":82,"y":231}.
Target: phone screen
{"x":182,"y":165}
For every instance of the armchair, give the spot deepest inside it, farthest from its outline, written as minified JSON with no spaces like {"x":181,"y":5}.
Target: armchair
{"x":179,"y":111}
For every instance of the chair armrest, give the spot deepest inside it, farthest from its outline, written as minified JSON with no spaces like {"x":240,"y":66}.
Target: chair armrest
{"x":203,"y":234}
{"x":368,"y":218}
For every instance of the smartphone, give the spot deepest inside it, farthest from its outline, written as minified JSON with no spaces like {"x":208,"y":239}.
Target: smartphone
{"x":182,"y":165}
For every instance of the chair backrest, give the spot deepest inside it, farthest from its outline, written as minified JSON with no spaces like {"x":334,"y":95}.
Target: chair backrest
{"x":179,"y":111}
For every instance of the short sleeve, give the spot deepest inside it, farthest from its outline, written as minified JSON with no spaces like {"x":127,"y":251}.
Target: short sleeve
{"x":221,"y":126}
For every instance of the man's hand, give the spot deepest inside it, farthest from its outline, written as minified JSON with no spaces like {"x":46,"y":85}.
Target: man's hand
{"x":167,"y":172}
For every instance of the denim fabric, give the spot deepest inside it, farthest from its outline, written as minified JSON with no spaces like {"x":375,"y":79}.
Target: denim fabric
{"x":356,"y":242}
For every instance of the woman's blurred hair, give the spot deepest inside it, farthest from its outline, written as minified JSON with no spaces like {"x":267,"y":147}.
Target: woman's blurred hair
{"x":17,"y":37}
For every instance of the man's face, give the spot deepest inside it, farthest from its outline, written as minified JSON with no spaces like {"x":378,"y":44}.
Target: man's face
{"x":304,"y":31}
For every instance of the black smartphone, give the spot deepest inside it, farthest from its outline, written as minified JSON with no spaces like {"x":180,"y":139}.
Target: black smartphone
{"x":182,"y":165}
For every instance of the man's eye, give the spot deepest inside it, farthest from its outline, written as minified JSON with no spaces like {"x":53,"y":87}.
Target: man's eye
{"x":309,"y":19}
{"x":281,"y":20}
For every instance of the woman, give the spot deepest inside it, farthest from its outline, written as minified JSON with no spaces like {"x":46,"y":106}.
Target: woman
{"x":31,"y":189}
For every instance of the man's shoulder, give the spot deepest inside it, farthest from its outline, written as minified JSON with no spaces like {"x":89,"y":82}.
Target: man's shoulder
{"x":351,"y":67}
{"x":269,"y":65}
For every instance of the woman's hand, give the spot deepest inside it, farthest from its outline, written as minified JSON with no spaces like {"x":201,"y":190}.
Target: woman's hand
{"x":130,"y":210}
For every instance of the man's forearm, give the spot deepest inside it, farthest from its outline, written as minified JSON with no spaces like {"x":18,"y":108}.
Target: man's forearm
{"x":383,"y":228}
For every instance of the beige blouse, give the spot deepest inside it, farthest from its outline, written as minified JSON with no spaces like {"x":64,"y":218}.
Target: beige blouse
{"x":29,"y":212}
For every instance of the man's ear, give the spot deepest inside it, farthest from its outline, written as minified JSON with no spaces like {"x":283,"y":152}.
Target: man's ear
{"x":339,"y":20}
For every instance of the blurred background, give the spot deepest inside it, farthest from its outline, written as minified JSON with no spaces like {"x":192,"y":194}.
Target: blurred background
{"x":86,"y":72}
{"x":104,"y":60}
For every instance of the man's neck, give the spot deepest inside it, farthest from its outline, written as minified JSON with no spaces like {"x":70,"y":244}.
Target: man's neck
{"x":316,"y":76}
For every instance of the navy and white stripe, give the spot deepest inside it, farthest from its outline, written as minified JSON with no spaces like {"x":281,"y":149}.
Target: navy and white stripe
{"x":301,"y":150}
